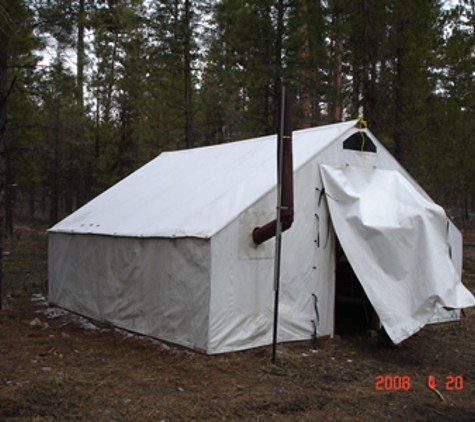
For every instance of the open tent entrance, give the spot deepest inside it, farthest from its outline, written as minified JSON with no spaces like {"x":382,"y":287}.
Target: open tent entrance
{"x":396,"y":240}
{"x":354,"y":313}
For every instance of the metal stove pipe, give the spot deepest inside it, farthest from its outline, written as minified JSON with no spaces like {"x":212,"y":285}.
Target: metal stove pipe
{"x":284,"y":177}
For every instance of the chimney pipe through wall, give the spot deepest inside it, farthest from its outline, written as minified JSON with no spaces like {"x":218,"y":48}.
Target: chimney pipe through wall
{"x":284,"y":177}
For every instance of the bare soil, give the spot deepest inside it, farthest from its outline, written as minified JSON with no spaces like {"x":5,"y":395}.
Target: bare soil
{"x":57,"y":366}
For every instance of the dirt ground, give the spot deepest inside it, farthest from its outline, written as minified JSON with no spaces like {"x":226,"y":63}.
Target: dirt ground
{"x":57,"y":366}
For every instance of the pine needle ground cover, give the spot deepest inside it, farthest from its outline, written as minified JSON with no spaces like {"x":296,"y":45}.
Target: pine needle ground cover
{"x":57,"y":366}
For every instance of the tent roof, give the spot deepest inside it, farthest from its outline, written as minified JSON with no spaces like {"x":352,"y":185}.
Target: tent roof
{"x":196,"y":192}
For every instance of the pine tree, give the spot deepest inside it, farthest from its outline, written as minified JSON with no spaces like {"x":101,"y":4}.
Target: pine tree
{"x":453,"y":105}
{"x":67,"y":21}
{"x":246,"y":64}
{"x":16,"y":44}
{"x":118,"y":87}
{"x":174,"y":38}
{"x":307,"y":62}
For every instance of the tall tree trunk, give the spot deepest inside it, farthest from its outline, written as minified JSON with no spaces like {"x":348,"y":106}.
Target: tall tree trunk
{"x":9,"y":190}
{"x":110,"y":80}
{"x":304,"y":71}
{"x":399,"y":148}
{"x":54,"y":195}
{"x":189,"y":136}
{"x":366,"y":100}
{"x":278,"y":66}
{"x":337,"y":109}
{"x":356,"y":88}
{"x":81,"y":56}
{"x":3,"y":123}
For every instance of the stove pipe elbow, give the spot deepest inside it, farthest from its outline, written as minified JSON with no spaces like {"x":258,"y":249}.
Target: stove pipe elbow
{"x":267,"y":231}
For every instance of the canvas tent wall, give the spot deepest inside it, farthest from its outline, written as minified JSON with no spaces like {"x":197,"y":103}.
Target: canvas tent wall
{"x":167,"y":252}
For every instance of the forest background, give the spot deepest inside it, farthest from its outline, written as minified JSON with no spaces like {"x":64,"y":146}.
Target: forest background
{"x":90,"y":90}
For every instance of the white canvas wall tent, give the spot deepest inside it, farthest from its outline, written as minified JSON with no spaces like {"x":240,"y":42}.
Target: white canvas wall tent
{"x":167,"y":252}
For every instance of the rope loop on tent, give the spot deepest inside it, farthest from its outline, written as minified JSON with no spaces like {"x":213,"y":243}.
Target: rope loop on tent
{"x":362,"y":124}
{"x":315,"y":322}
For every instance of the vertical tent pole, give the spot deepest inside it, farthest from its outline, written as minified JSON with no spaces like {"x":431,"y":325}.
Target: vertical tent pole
{"x":278,"y":229}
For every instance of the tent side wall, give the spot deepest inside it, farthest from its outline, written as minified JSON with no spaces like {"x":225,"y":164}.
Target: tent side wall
{"x":242,"y":296}
{"x":455,"y":241}
{"x":308,"y":262}
{"x":153,"y":286}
